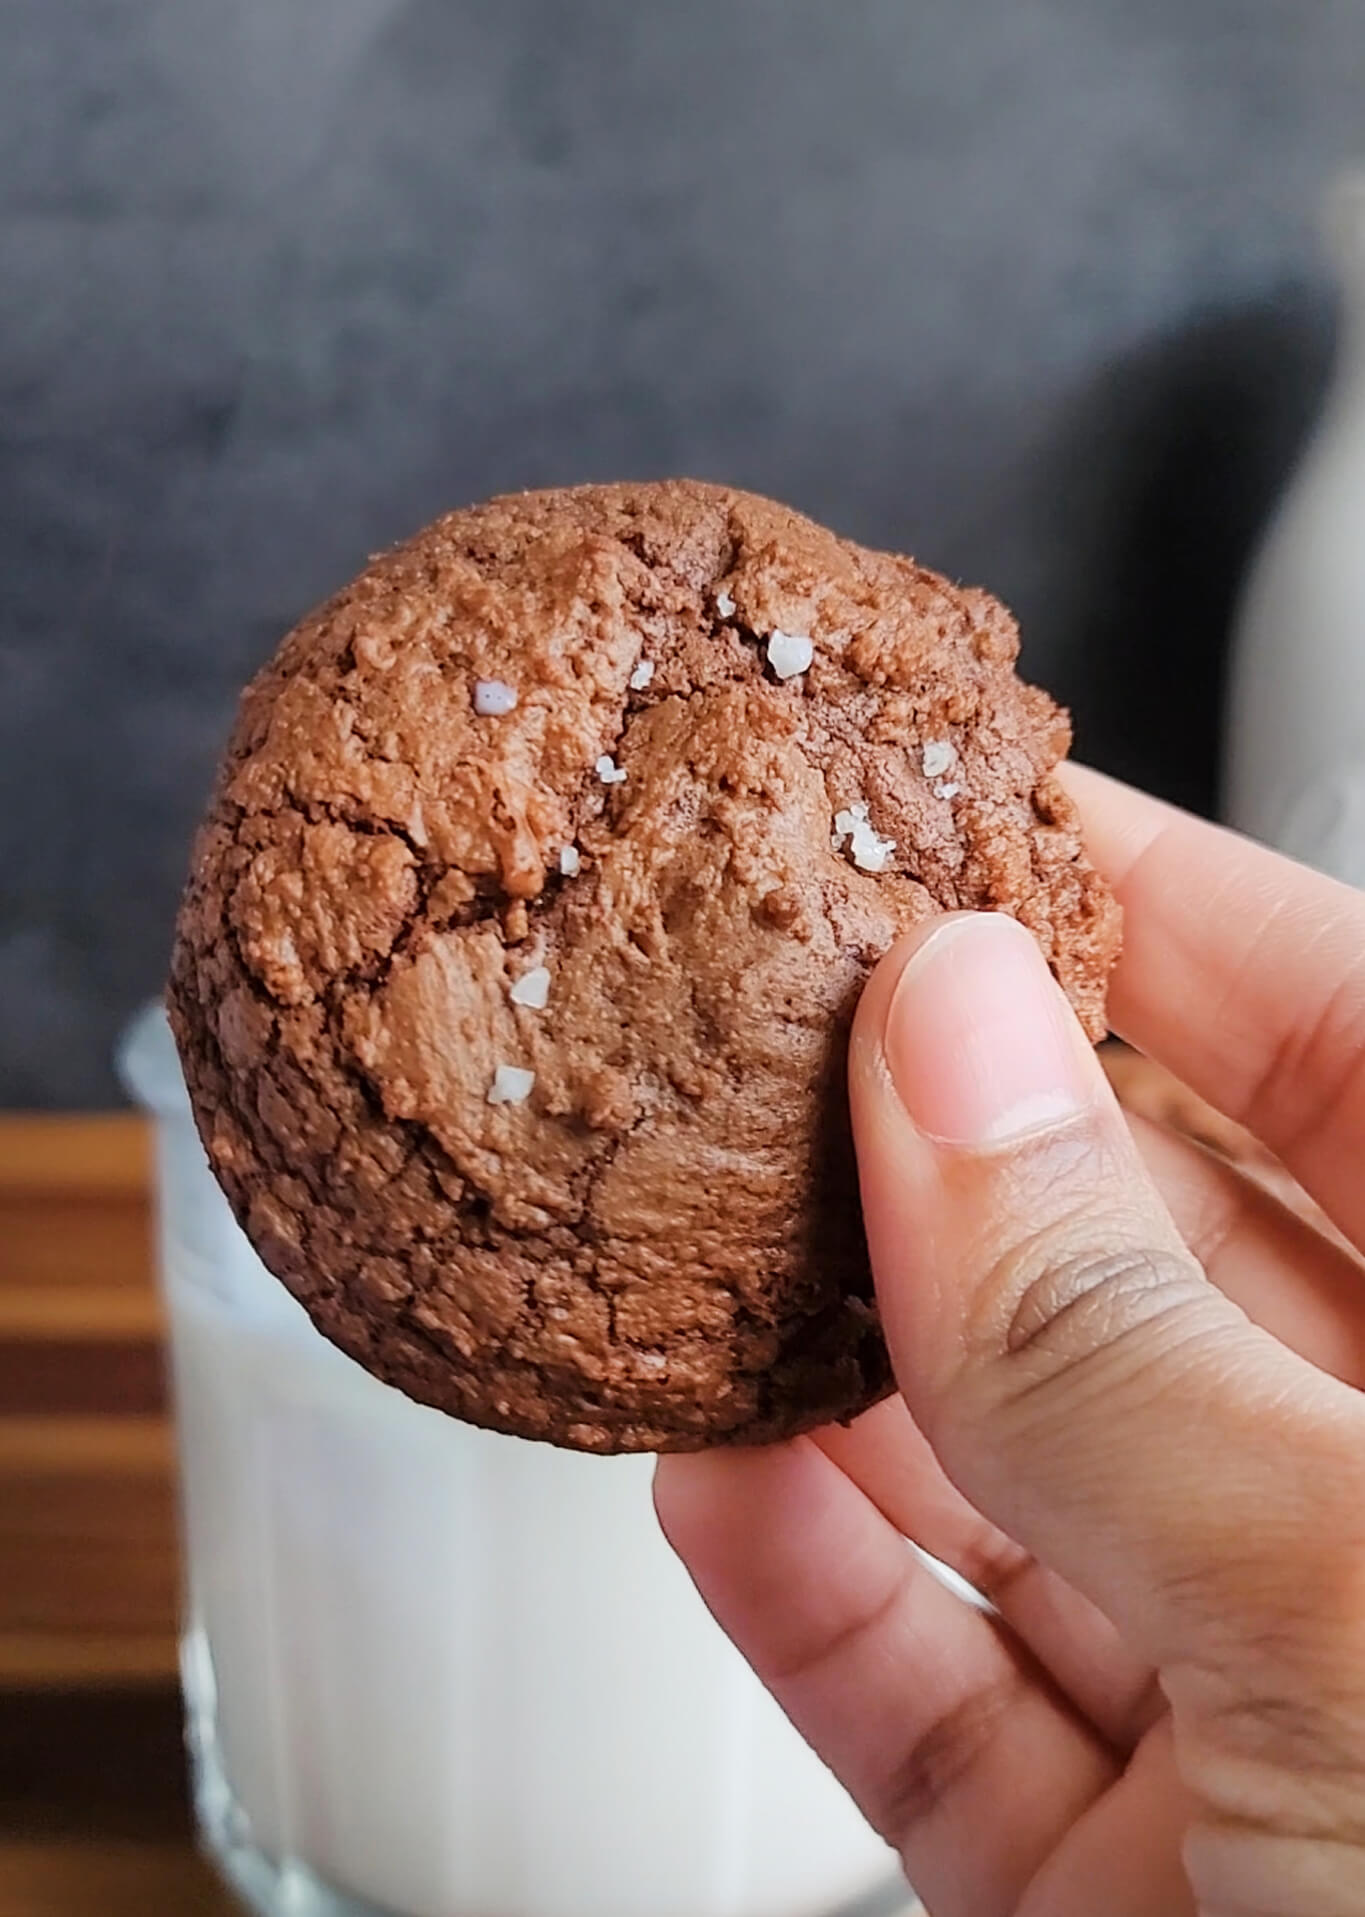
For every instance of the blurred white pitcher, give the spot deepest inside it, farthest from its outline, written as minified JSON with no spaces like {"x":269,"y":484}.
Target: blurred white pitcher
{"x":1295,"y":773}
{"x":436,"y":1672}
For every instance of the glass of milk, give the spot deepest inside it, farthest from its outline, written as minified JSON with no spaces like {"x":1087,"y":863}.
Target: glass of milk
{"x":430,"y":1671}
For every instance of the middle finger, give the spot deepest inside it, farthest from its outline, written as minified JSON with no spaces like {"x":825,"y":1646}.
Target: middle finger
{"x":953,"y":1744}
{"x":892,"y":1463}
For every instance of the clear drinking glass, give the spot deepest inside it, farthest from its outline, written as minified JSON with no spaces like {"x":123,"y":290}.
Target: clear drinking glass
{"x":434,"y":1672}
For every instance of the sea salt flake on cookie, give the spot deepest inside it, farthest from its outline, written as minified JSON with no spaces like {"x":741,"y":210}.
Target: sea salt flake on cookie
{"x":937,"y":758}
{"x":494,"y":698}
{"x":790,"y":653}
{"x":511,"y":1085}
{"x":609,"y":772}
{"x":532,"y":989}
{"x":866,"y":847}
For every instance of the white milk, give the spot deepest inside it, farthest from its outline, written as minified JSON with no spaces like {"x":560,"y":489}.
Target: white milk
{"x":1295,"y":772}
{"x":447,"y":1673}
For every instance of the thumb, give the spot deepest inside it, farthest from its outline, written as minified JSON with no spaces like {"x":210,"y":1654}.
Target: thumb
{"x":1077,"y":1375}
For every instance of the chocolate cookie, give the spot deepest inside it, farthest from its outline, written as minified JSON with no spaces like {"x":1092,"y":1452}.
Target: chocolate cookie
{"x":515,"y":971}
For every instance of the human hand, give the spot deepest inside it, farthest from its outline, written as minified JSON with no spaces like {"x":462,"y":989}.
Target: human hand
{"x":1130,"y":1416}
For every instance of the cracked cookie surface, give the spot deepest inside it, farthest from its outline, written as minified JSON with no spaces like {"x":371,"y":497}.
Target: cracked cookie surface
{"x":513,"y":978}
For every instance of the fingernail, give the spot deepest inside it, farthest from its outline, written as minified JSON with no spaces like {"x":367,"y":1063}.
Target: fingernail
{"x":982,"y":1046}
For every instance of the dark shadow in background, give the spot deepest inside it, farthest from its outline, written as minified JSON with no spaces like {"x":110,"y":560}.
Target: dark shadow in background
{"x":1163,"y":476}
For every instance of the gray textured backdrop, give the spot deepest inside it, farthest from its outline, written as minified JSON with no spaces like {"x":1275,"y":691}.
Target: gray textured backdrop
{"x":1029,"y":289}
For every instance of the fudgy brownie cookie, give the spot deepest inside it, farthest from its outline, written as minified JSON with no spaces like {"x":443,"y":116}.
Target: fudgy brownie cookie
{"x":515,"y":970}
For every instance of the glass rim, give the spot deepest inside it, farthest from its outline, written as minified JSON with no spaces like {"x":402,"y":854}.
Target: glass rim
{"x":148,"y":1065}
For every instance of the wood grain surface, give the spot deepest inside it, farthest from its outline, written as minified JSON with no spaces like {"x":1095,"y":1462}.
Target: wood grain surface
{"x":88,"y":1562}
{"x":94,"y":1820}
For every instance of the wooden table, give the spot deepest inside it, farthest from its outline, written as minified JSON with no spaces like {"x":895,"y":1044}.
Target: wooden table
{"x":94,"y":1820}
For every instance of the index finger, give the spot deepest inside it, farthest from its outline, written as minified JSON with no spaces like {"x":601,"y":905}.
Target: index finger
{"x":1245,"y":974}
